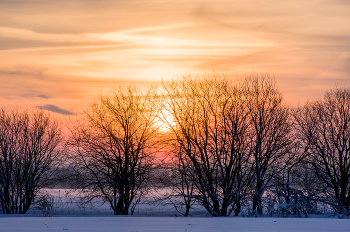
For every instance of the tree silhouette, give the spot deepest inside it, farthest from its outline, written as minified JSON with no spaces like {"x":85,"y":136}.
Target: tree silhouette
{"x":112,"y":146}
{"x":29,"y":152}
{"x":324,"y":127}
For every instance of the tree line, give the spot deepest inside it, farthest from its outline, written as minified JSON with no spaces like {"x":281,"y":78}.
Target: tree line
{"x":212,"y":141}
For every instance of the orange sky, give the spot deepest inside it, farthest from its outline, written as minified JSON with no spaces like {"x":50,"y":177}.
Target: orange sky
{"x":59,"y":54}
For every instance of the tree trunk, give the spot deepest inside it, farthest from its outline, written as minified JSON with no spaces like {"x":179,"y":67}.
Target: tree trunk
{"x":257,"y":204}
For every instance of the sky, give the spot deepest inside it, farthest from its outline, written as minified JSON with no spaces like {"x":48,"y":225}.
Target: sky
{"x":58,"y":55}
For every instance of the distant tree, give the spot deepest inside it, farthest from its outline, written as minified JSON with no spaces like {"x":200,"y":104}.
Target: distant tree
{"x":270,"y":131}
{"x":309,"y":185}
{"x":324,"y":127}
{"x":287,"y":173}
{"x":29,"y":153}
{"x":45,"y":203}
{"x":113,"y":144}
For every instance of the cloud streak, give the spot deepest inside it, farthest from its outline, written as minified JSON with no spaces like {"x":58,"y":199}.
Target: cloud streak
{"x":44,"y":96}
{"x":82,"y":46}
{"x":55,"y":109}
{"x":31,"y":35}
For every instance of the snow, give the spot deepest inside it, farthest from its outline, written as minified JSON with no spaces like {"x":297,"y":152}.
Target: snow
{"x":170,"y":224}
{"x":66,"y":202}
{"x":69,"y":215}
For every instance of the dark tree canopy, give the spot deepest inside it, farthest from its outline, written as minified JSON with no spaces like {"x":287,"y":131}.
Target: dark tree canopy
{"x":270,"y":131}
{"x":230,"y":133}
{"x":229,"y":146}
{"x":324,"y":127}
{"x":29,"y":153}
{"x":113,"y":144}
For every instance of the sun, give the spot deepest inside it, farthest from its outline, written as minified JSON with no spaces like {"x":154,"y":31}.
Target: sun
{"x":165,"y":121}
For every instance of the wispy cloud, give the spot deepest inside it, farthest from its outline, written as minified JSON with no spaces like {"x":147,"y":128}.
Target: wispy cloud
{"x":32,"y":95}
{"x":55,"y":109}
{"x":25,"y":34}
{"x":70,"y":53}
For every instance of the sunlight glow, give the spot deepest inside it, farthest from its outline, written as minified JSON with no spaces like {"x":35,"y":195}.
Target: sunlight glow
{"x":166,"y":121}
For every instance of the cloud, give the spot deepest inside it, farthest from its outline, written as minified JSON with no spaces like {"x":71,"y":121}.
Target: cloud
{"x":31,"y":35}
{"x":44,"y":96}
{"x":85,"y":45}
{"x":33,"y":95}
{"x":55,"y":109}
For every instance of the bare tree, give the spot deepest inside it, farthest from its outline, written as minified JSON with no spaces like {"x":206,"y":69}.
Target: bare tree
{"x":210,"y":123}
{"x":324,"y":127}
{"x":270,"y":131}
{"x":113,"y":146}
{"x":29,"y":152}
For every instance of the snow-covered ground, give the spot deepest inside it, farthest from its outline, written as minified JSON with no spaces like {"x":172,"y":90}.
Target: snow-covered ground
{"x":69,"y":214}
{"x":169,"y":224}
{"x":67,"y":202}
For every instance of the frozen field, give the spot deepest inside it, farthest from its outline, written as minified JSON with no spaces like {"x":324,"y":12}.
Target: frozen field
{"x":68,"y":215}
{"x":154,"y":224}
{"x":67,"y":203}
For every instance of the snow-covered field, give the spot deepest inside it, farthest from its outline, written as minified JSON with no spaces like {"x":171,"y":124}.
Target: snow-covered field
{"x":153,"y":224}
{"x":68,"y":214}
{"x":67,"y":202}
